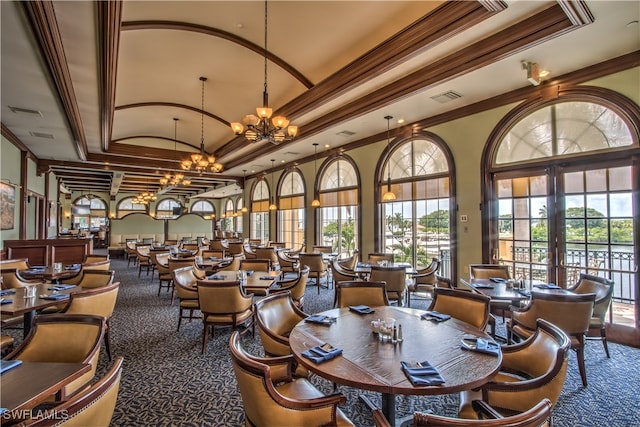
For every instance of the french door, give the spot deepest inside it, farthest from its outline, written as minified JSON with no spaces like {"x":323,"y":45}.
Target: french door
{"x":553,"y":224}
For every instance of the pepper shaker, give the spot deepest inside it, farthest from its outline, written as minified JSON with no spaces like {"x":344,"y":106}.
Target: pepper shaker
{"x":400,"y":337}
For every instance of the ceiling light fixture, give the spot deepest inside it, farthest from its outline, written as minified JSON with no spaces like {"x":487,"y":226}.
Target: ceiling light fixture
{"x":272,"y":206}
{"x":244,"y":186}
{"x":202,"y":161}
{"x":258,"y":127}
{"x":316,"y":200}
{"x":389,"y":195}
{"x":174,"y":179}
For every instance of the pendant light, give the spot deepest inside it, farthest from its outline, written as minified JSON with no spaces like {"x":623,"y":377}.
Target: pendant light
{"x":272,"y":206}
{"x":174,"y":179}
{"x":244,"y":186}
{"x":389,"y":196}
{"x":316,"y":201}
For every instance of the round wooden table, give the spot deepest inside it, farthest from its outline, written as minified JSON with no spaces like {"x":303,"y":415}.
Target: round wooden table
{"x":369,"y":364}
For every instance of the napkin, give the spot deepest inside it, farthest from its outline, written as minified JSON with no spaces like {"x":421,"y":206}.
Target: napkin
{"x":322,"y":353}
{"x":266,"y":278}
{"x":55,"y":297}
{"x":72,"y":267}
{"x":320,"y":319}
{"x":547,"y":286}
{"x":434,"y":315}
{"x":524,"y":293}
{"x":215,"y":277}
{"x":497,"y":279}
{"x":7,"y":292}
{"x":482,"y":286}
{"x":61,"y":287}
{"x":5,"y":365}
{"x":481,"y":345}
{"x":422,"y":374}
{"x":6,"y":301}
{"x":362,"y":309}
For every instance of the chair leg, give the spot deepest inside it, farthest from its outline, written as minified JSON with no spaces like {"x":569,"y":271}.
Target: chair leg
{"x":107,"y":340}
{"x":603,"y":335}
{"x":179,"y":318}
{"x":580,"y":357}
{"x":205,"y":336}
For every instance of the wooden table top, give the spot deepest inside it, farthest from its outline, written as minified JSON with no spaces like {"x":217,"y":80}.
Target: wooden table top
{"x":500,"y":291}
{"x":364,"y":267}
{"x":30,"y":383}
{"x":368,"y":364}
{"x":21,"y":305}
{"x":254,"y":281}
{"x":48,"y":273}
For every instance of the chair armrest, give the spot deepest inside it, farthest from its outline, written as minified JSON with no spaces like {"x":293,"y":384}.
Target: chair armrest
{"x":484,"y":410}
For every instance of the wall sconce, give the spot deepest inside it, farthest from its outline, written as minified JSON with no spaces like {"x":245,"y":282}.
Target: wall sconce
{"x":67,"y":215}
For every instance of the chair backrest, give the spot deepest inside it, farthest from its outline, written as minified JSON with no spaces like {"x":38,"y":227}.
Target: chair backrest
{"x":93,"y":406}
{"x":427,"y":275}
{"x":99,"y":301}
{"x":236,"y":248}
{"x":469,"y":307}
{"x":444,"y":282}
{"x":11,"y":279}
{"x":487,"y":271}
{"x":601,"y":287}
{"x":395,"y":277}
{"x":298,"y":286}
{"x":70,"y":338}
{"x":359,"y":292}
{"x":285,"y":261}
{"x":255,"y":264}
{"x":222,"y":297}
{"x":97,"y":265}
{"x":95,"y":278}
{"x":162,"y":260}
{"x":234,"y":265}
{"x":267,"y":253}
{"x":94,"y":258}
{"x":276,"y":315}
{"x":175,"y":263}
{"x":209,"y":253}
{"x":322,"y":249}
{"x":277,"y":244}
{"x":350,"y":262}
{"x":570,"y":312}
{"x":19,"y":264}
{"x":374,"y":257}
{"x":340,"y":274}
{"x":314,"y":261}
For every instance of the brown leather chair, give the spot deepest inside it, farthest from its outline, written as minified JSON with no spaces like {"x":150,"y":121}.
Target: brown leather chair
{"x":93,"y":406}
{"x":322,"y":249}
{"x":248,"y":252}
{"x":71,"y":338}
{"x":130,"y":251}
{"x":6,"y":344}
{"x":160,"y":262}
{"x":17,"y":263}
{"x":395,"y":278}
{"x":296,"y":287}
{"x":317,"y":266}
{"x":143,"y":254}
{"x":273,"y":396}
{"x":424,"y":281}
{"x":570,"y":312}
{"x":236,"y":248}
{"x":270,"y":254}
{"x":375,"y":257}
{"x":359,"y":292}
{"x":276,"y":315}
{"x":12,"y":279}
{"x":99,"y":302}
{"x":97,"y":265}
{"x":538,"y":416}
{"x":234,"y":265}
{"x":90,"y":279}
{"x":224,"y":303}
{"x":488,"y":271}
{"x":211,"y":253}
{"x":444,"y":282}
{"x":340,"y":273}
{"x":350,"y":262}
{"x":255,"y":264}
{"x":531,"y":370}
{"x":220,"y":245}
{"x":185,"y":284}
{"x":88,"y":259}
{"x":287,"y":264}
{"x":603,"y":288}
{"x":466,"y":306}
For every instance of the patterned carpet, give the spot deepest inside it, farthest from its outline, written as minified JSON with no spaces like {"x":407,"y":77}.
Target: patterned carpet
{"x":166,"y":381}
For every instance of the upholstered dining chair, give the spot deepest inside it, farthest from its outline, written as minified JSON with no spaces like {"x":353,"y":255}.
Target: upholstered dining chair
{"x":236,"y":248}
{"x":130,"y":251}
{"x":488,"y":271}
{"x":71,"y":338}
{"x":97,"y":265}
{"x":424,"y":281}
{"x":98,"y":302}
{"x":160,"y":261}
{"x":11,"y":278}
{"x":276,"y":315}
{"x":273,"y":396}
{"x":570,"y":312}
{"x":287,"y":263}
{"x":89,"y":279}
{"x":88,"y":259}
{"x":255,"y":264}
{"x":185,"y":284}
{"x":226,"y":304}
{"x":144,"y":259}
{"x":469,"y":307}
{"x":444,"y":282}
{"x":234,"y":265}
{"x":317,"y":266}
{"x":16,"y":263}
{"x":359,"y":292}
{"x":350,"y":262}
{"x":270,"y":254}
{"x":538,"y":416}
{"x":376,"y":257}
{"x":323,"y":249}
{"x":340,"y":273}
{"x":248,"y":251}
{"x":93,"y":406}
{"x":530,"y":371}
{"x":395,"y":279}
{"x":212,"y":253}
{"x":220,"y":245}
{"x":603,"y":288}
{"x":296,"y":287}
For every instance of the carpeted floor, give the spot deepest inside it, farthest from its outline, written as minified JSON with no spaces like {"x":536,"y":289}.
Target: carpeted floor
{"x":166,"y":381}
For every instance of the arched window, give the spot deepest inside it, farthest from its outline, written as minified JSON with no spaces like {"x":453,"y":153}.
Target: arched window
{"x":416,"y":226}
{"x":204,"y":208}
{"x":259,"y":218}
{"x":89,"y":212}
{"x":126,"y":206}
{"x":168,"y":208}
{"x":229,"y":216}
{"x":240,"y":210}
{"x":291,"y":213}
{"x":339,"y":205}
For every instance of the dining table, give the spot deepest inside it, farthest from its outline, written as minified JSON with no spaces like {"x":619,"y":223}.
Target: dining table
{"x":500,"y":290}
{"x":50,"y":273}
{"x":31,"y":383}
{"x":369,"y":364}
{"x":257,"y":282}
{"x":363,"y":269}
{"x":15,"y":301}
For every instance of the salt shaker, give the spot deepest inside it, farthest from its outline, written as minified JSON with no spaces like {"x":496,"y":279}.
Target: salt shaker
{"x":394,"y":337}
{"x":400,"y":337}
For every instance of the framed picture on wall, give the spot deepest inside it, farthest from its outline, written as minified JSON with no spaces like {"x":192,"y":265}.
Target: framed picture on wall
{"x":7,"y":206}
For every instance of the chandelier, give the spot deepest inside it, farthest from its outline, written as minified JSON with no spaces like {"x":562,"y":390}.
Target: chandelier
{"x":389,"y":196}
{"x":244,"y":186}
{"x":256,"y":128}
{"x":174,"y":179}
{"x":272,"y":205}
{"x":202,"y":161}
{"x":144,"y":198}
{"x":316,"y":201}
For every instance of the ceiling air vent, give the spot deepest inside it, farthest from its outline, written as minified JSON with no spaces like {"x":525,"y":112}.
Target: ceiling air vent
{"x":41,"y":135}
{"x":447,"y":96}
{"x":19,"y":110}
{"x":346,"y":133}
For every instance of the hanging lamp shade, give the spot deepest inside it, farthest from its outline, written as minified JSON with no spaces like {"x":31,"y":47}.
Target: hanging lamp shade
{"x":389,"y":195}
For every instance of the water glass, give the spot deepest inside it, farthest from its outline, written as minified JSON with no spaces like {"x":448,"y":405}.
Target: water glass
{"x":386,"y":330}
{"x":57,"y":267}
{"x":30,"y":291}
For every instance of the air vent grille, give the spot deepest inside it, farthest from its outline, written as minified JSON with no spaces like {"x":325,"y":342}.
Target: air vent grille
{"x":447,"y":96}
{"x":41,"y":135}
{"x":19,"y":110}
{"x":346,"y":133}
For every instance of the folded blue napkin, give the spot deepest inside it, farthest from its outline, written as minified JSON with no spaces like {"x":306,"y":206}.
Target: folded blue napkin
{"x":55,"y":297}
{"x":547,"y":286}
{"x":215,"y":277}
{"x":482,"y":286}
{"x":249,"y":272}
{"x":321,"y":354}
{"x":362,"y":309}
{"x":73,"y":267}
{"x":497,"y":279}
{"x":524,"y":293}
{"x":435,"y":316}
{"x":7,"y":292}
{"x":266,"y":278}
{"x":422,"y":373}
{"x":320,"y":319}
{"x":5,"y":365}
{"x":481,"y":345}
{"x":6,"y":301}
{"x":61,"y":287}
